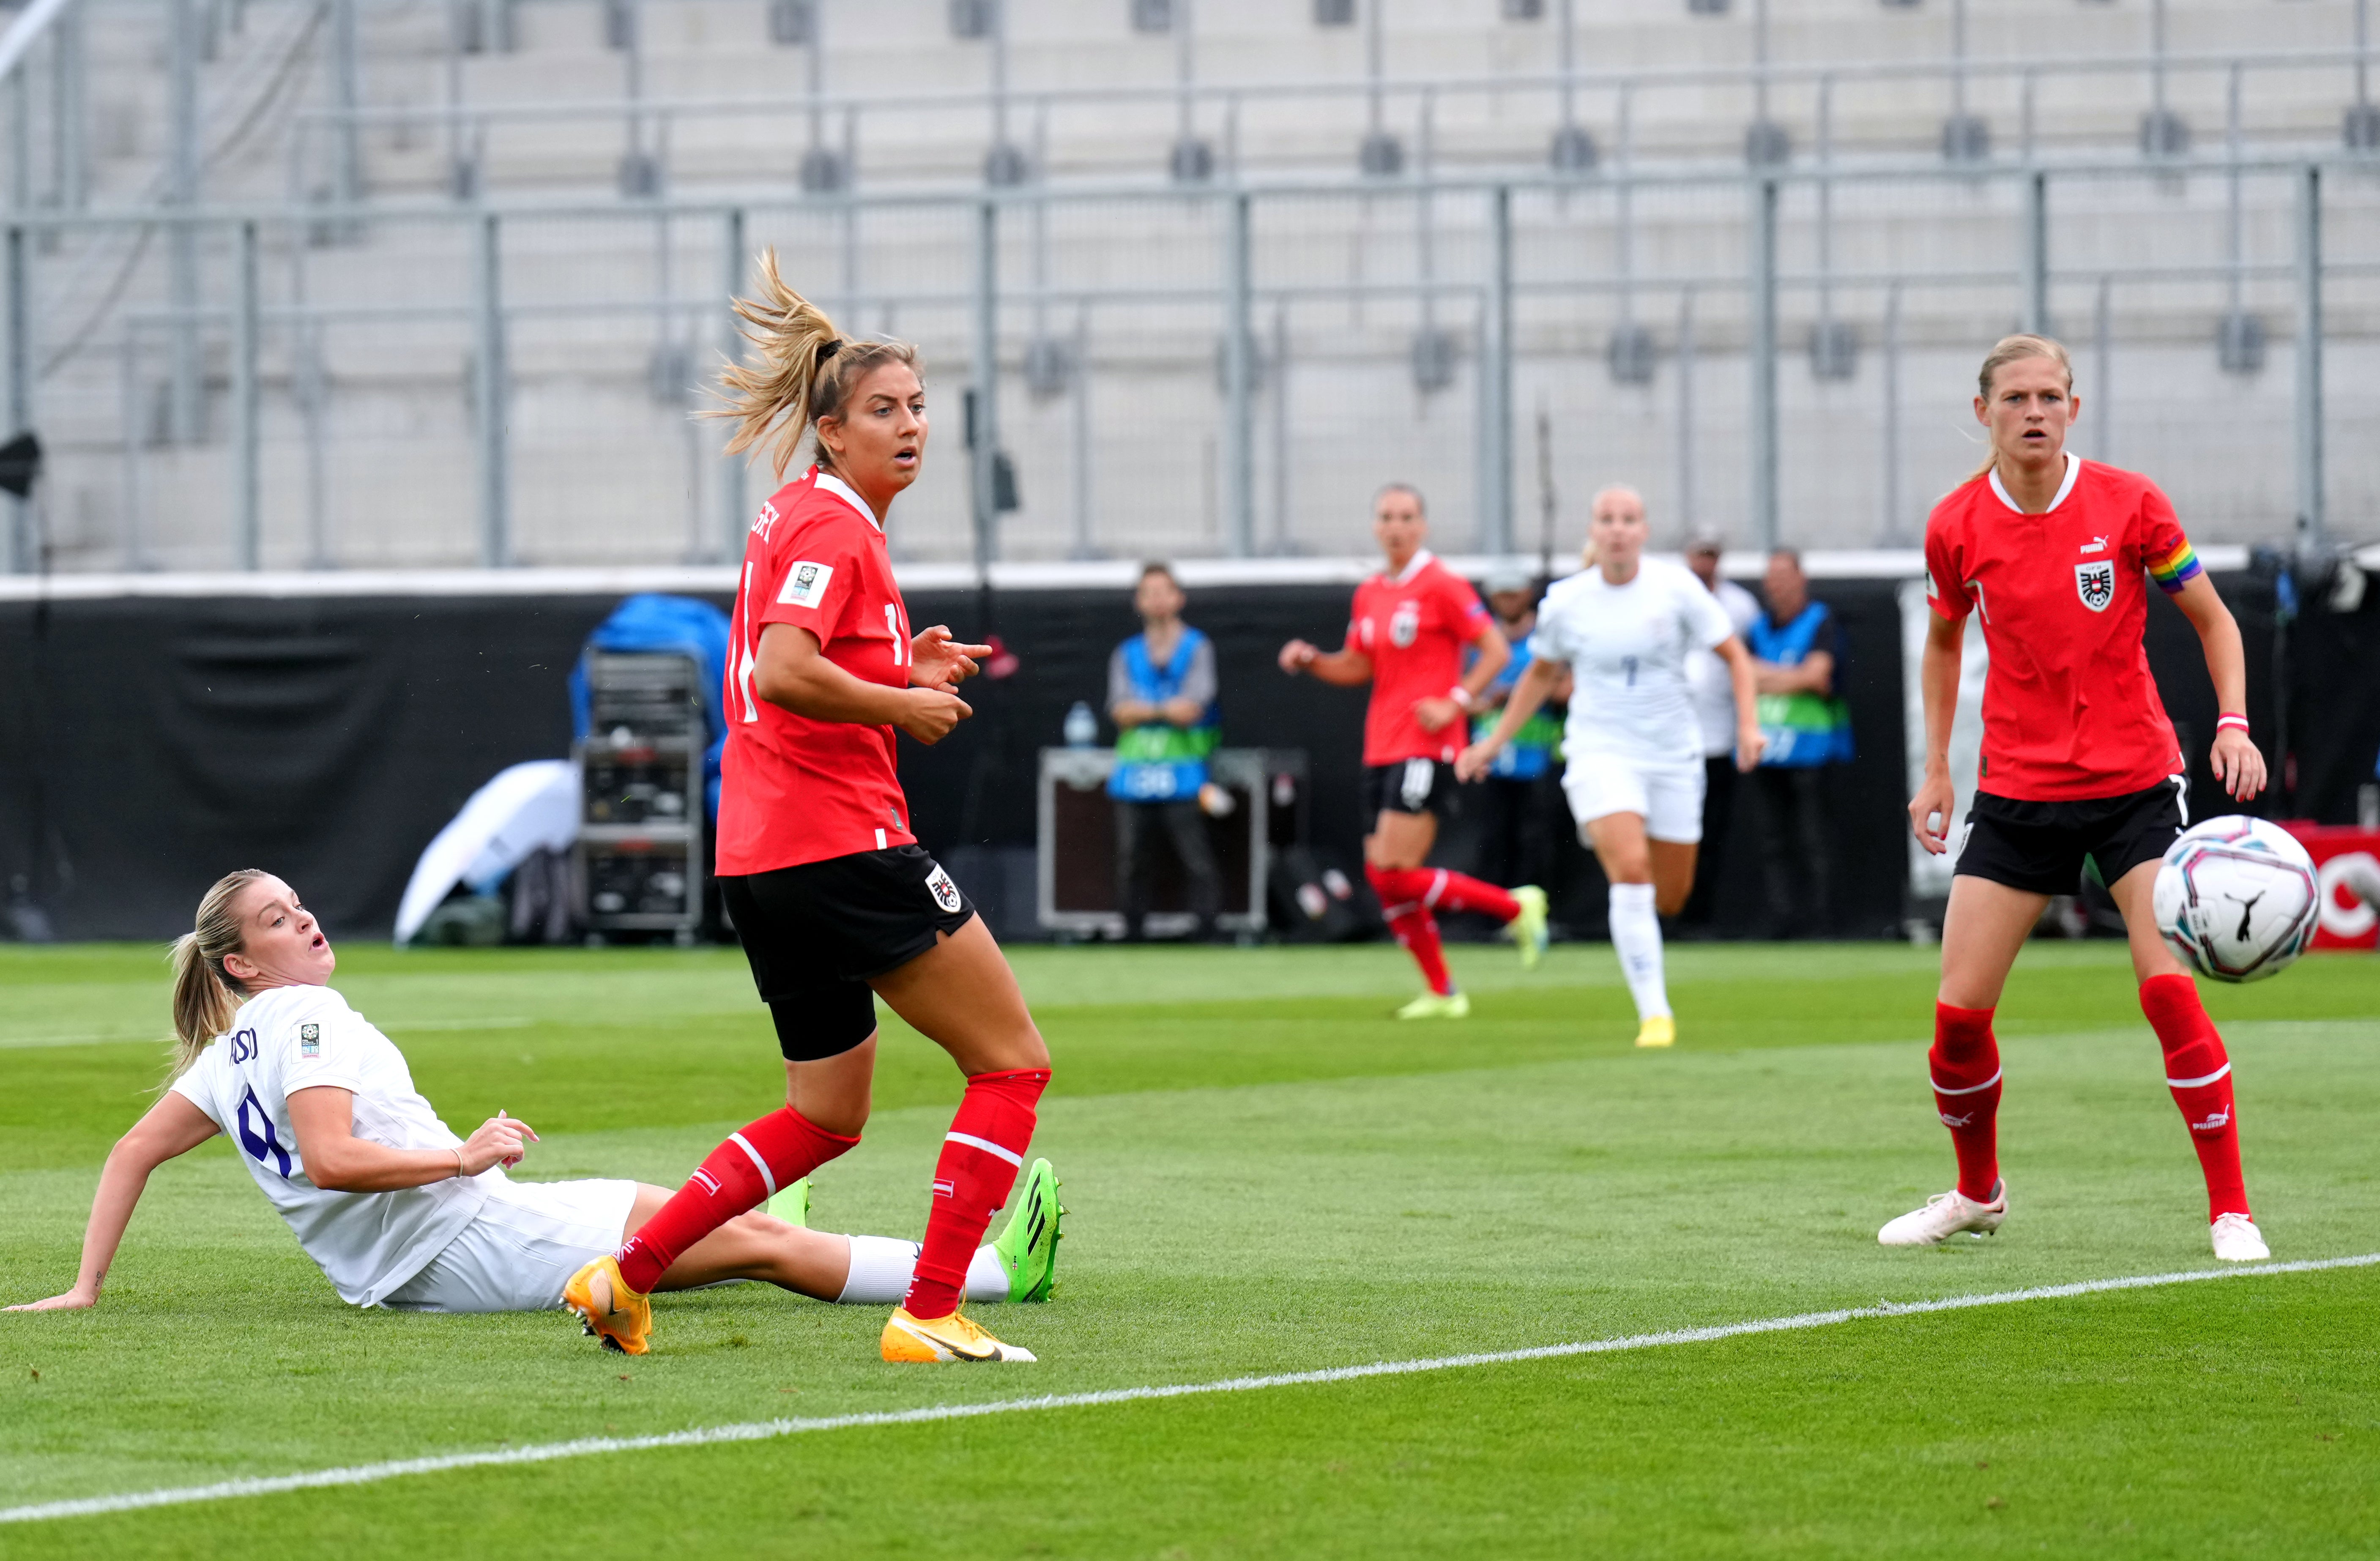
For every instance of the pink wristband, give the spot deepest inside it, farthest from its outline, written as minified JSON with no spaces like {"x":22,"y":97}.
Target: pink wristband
{"x":2233,"y":723}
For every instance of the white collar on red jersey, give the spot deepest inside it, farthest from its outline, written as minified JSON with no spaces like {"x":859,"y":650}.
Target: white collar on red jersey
{"x":2073,"y":470}
{"x":1413,"y":566}
{"x":827,"y":482}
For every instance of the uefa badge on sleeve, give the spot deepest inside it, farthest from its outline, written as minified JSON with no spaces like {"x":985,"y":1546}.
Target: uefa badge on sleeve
{"x":2096,"y":583}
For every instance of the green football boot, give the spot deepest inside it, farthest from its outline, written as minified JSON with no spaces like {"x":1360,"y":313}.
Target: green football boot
{"x":793,"y":1204}
{"x":1529,"y":931}
{"x":1028,"y":1248}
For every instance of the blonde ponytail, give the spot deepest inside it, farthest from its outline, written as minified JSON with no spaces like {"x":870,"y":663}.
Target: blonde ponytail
{"x":205,"y":999}
{"x":805,"y":372}
{"x":2008,"y":350}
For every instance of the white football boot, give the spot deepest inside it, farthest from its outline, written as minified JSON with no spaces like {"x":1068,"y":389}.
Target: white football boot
{"x":1944,"y":1215}
{"x":2237,"y":1240}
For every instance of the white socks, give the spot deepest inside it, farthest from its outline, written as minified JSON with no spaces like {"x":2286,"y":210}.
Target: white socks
{"x":1636,"y":937}
{"x":882,"y":1266}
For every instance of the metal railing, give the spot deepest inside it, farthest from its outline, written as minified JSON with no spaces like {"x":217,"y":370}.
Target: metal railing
{"x":1565,"y":139}
{"x":1502,"y":271}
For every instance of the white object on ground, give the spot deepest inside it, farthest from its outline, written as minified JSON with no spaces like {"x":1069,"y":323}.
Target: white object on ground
{"x":527,"y":808}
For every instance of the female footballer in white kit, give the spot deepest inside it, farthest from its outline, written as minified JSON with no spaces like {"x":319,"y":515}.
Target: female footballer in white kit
{"x":1627,"y":627}
{"x":397,"y":1210}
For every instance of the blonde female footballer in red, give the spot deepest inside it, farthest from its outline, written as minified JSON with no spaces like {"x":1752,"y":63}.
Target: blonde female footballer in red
{"x":2055,"y":554}
{"x":1406,"y":637}
{"x":836,"y":903}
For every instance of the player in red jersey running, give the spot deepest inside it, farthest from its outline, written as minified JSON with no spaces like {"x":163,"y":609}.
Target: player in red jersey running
{"x":836,"y":903}
{"x":1406,"y":637}
{"x":2055,"y":553}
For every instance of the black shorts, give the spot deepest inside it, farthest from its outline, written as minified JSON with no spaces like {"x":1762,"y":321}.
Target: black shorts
{"x":2040,"y":846}
{"x":1408,"y":786}
{"x":817,"y":934}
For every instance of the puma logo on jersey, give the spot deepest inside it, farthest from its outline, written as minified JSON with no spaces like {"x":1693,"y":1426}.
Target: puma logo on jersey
{"x":2095,"y":545}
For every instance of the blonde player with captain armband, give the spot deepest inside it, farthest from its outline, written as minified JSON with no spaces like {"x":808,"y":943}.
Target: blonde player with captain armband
{"x":1627,"y":627}
{"x":397,"y":1210}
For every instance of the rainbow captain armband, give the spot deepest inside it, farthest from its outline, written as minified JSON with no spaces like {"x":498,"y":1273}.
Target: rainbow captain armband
{"x":2174,"y":569}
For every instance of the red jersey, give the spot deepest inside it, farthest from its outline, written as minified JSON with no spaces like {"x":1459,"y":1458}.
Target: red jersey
{"x":1414,"y":626}
{"x":794,"y":790}
{"x":2069,"y":709}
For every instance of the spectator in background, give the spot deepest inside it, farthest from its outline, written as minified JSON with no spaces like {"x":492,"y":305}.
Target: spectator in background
{"x":1795,"y":647}
{"x":1714,"y":696}
{"x":1520,"y":813}
{"x":1161,"y":695}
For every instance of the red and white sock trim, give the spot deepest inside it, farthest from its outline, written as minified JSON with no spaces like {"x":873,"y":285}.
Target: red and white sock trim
{"x":1940,"y":1088}
{"x":987,"y":1145}
{"x":759,"y":1163}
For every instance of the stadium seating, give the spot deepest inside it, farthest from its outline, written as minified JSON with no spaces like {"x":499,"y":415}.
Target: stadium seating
{"x":367,"y":423}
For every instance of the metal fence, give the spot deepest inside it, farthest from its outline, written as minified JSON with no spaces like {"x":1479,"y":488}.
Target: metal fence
{"x":1785,"y":353}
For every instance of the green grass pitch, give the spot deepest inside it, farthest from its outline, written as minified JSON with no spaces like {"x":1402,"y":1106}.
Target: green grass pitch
{"x":1266,"y":1174}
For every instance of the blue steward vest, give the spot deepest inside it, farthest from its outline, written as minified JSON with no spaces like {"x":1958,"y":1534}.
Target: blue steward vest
{"x":1159,"y":761}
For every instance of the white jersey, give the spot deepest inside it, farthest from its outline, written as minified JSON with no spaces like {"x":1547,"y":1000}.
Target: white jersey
{"x":1627,"y":648}
{"x":292,"y":1038}
{"x":1707,"y":676}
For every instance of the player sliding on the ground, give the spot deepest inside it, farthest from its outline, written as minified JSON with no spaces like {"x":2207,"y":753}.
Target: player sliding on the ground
{"x":837,"y":902}
{"x":1406,"y":638}
{"x":396,"y":1210}
{"x":2055,"y":553}
{"x":1626,"y":626}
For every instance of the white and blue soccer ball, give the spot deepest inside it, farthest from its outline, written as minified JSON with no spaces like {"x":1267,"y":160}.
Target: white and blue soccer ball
{"x":2238,"y":898}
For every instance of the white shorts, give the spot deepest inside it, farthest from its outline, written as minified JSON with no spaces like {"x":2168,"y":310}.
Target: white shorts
{"x":1665,"y":793}
{"x":529,"y":1238}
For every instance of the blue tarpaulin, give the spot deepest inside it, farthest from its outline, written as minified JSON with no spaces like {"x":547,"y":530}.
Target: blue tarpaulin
{"x":667,"y":624}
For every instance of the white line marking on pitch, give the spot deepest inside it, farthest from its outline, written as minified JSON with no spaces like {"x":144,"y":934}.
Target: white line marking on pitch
{"x":766,"y":1430}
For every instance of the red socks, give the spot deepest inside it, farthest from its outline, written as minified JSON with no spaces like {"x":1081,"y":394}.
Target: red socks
{"x":2198,"y":1071}
{"x":1401,"y":890}
{"x":741,"y":1174}
{"x":981,"y":1156}
{"x":1965,"y":1065}
{"x":1408,"y":895}
{"x":1453,"y":891}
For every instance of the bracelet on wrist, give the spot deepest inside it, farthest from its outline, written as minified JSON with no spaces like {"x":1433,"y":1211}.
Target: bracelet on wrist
{"x":459,"y":1171}
{"x":1461,"y":695}
{"x":2231,"y":723}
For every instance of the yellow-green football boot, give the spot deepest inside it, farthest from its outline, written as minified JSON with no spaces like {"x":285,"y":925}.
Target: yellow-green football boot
{"x":1028,"y":1248}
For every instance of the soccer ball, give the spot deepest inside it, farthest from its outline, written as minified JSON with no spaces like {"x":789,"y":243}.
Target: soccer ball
{"x":2238,"y":898}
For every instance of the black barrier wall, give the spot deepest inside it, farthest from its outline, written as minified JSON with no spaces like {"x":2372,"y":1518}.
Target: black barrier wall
{"x":148,"y":746}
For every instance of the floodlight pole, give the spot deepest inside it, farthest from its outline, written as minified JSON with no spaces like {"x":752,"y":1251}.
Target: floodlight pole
{"x":2036,"y":252}
{"x":1239,"y":369}
{"x":2310,"y":519}
{"x":186,"y":399}
{"x":488,"y":382}
{"x":985,"y":371}
{"x":733,"y":500}
{"x":1689,"y":510}
{"x":1496,"y":382}
{"x":1763,"y":356}
{"x":20,"y":399}
{"x":246,"y":512}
